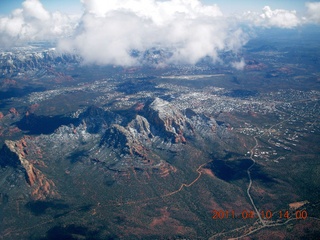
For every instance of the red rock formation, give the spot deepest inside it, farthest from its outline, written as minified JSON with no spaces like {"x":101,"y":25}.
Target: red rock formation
{"x":168,"y":120}
{"x":180,"y":138}
{"x":13,"y":111}
{"x":139,"y":150}
{"x":33,"y":108}
{"x":165,"y":169}
{"x":7,"y":83}
{"x":1,"y":115}
{"x":162,"y":219}
{"x":13,"y":130}
{"x":41,"y":186}
{"x":139,"y":107}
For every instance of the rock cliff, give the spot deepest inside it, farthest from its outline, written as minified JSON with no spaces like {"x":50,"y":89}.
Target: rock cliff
{"x":25,"y":155}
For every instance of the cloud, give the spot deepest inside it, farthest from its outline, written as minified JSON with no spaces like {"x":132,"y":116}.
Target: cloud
{"x":33,"y":9}
{"x":110,"y":30}
{"x":32,"y":23}
{"x":280,"y":18}
{"x":160,"y":12}
{"x":239,"y":65}
{"x":313,"y":11}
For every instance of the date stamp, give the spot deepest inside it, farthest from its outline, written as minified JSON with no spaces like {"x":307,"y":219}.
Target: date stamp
{"x":264,"y":214}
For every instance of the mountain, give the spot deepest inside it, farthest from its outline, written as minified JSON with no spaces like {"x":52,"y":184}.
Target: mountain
{"x":143,"y":138}
{"x":28,"y":59}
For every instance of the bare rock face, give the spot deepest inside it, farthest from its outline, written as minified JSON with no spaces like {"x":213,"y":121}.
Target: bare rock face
{"x":158,"y":125}
{"x":14,"y":112}
{"x":161,"y":123}
{"x":167,"y":121}
{"x":118,"y":137}
{"x":203,"y":125}
{"x":131,"y":144}
{"x":140,"y":128}
{"x":23,"y":154}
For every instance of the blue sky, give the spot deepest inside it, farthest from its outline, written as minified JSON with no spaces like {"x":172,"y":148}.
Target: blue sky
{"x":67,"y":6}
{"x":227,"y":6}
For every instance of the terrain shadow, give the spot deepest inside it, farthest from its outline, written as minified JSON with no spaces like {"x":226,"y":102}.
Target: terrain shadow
{"x":40,"y":207}
{"x":72,"y":231}
{"x":237,"y":169}
{"x":43,"y":124}
{"x":19,"y":92}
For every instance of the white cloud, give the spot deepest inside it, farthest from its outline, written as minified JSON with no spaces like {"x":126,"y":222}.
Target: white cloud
{"x":34,"y":9}
{"x":33,"y":22}
{"x":313,"y":10}
{"x":160,"y":12}
{"x":239,"y":65}
{"x":107,"y":40}
{"x":274,"y":18}
{"x":111,"y":29}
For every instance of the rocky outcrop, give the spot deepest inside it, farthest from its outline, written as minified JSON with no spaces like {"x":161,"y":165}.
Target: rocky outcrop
{"x":23,"y":154}
{"x":203,"y":125}
{"x":130,"y":142}
{"x":167,"y":121}
{"x":118,"y":137}
{"x":32,"y":108}
{"x":140,"y":138}
{"x":13,"y":111}
{"x":157,"y":125}
{"x":140,"y":128}
{"x":160,"y":122}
